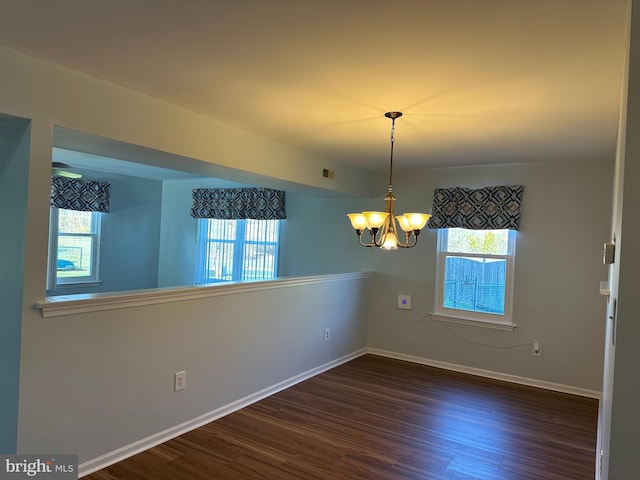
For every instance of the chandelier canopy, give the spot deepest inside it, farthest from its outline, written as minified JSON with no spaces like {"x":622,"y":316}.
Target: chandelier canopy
{"x":382,"y":225}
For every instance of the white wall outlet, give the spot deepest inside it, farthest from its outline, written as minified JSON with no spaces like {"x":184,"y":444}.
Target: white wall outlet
{"x":537,"y":349}
{"x":179,"y":380}
{"x":327,"y":334}
{"x":404,"y":302}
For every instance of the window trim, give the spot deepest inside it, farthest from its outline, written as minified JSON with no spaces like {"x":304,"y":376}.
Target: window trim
{"x":53,"y":281}
{"x":468,"y":317}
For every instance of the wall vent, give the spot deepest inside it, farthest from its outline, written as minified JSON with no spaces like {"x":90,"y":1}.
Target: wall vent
{"x":330,"y":174}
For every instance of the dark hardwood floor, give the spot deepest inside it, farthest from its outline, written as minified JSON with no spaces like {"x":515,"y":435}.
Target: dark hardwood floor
{"x":377,"y":418}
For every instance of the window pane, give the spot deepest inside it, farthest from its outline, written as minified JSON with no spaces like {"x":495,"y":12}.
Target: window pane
{"x":240,"y":250}
{"x":491,"y":242}
{"x":222,"y":230}
{"x":75,"y":253}
{"x":221,"y":235}
{"x":261,"y":230}
{"x":475,"y":284}
{"x":219,"y":260}
{"x":259,"y":261}
{"x":71,"y":221}
{"x":260,"y":249}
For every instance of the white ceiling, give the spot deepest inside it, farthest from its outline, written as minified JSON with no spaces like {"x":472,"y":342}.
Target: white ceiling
{"x":479,"y":81}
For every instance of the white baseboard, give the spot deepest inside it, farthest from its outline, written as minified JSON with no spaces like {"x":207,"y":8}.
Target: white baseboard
{"x":127,"y":451}
{"x":531,"y":382}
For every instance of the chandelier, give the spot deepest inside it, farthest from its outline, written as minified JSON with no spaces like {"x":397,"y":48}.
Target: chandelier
{"x":382,"y":225}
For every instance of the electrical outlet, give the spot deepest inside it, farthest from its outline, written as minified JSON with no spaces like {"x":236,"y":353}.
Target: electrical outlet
{"x":537,"y":349}
{"x":327,"y":334}
{"x":179,"y":381}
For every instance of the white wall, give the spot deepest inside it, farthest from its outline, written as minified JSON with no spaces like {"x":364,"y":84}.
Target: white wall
{"x":565,"y":220}
{"x":95,"y":382}
{"x":131,"y":235}
{"x":319,"y":239}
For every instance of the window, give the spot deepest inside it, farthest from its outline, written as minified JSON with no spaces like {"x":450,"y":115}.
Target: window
{"x":475,"y":275}
{"x":74,"y":245}
{"x":234,"y":250}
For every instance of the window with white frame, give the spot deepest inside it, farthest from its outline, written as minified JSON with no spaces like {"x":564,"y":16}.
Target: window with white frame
{"x":236,"y":250}
{"x":475,"y":275}
{"x":74,"y":247}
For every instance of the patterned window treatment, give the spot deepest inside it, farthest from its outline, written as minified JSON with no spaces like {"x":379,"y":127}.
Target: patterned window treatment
{"x":238,"y":203}
{"x":82,"y":195}
{"x":489,"y":208}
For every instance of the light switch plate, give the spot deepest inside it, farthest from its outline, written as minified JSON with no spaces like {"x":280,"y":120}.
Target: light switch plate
{"x":404,"y":302}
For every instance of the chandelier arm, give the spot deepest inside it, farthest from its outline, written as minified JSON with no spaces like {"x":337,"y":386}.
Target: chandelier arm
{"x":360,"y":232}
{"x":415,"y":238}
{"x":374,"y":232}
{"x":381,"y":232}
{"x":408,"y":243}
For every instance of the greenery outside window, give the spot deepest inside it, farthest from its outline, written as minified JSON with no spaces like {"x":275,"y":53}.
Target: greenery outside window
{"x":237,"y":250}
{"x":475,"y":275}
{"x":74,"y":247}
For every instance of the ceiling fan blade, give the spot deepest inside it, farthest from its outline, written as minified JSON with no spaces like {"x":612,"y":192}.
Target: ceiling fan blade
{"x":64,"y":173}
{"x":58,"y":168}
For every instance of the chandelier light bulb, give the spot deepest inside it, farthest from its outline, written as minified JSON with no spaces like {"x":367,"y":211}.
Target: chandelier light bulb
{"x":390,"y":241}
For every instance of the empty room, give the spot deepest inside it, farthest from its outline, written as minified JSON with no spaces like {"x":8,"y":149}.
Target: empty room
{"x":319,"y":240}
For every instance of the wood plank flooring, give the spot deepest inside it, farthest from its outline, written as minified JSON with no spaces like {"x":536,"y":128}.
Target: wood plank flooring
{"x":377,"y":418}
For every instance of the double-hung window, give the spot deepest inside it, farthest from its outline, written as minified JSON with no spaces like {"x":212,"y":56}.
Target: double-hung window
{"x":74,"y":247}
{"x":475,"y":276}
{"x":236,"y":250}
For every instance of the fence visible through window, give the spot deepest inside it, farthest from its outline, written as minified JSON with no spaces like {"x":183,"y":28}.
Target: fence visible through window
{"x":475,"y":284}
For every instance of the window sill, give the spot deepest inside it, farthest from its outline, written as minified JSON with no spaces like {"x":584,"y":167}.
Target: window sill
{"x":88,"y":283}
{"x":474,"y":322}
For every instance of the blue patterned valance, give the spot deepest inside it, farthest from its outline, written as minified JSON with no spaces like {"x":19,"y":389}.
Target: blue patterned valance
{"x":82,"y":195}
{"x":489,"y":208}
{"x":238,"y":203}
